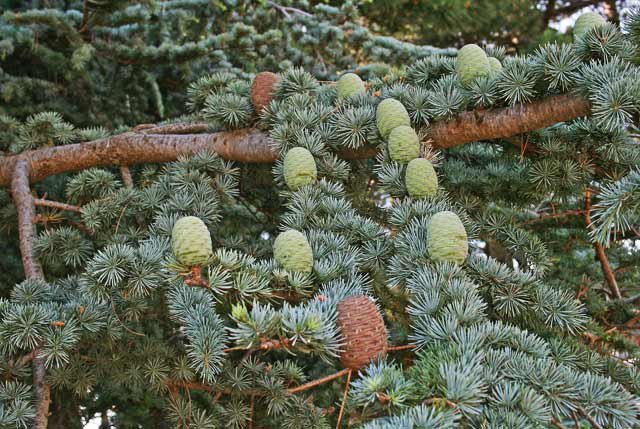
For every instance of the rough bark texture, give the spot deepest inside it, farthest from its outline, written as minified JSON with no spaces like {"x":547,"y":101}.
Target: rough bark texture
{"x":56,"y":205}
{"x":250,"y":145}
{"x":24,"y":202}
{"x":508,"y":121}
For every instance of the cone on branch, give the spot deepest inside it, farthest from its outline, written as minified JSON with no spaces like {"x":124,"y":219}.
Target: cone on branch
{"x":262,"y":89}
{"x":363,"y":329}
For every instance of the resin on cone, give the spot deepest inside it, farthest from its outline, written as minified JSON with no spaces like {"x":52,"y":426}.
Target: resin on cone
{"x":447,"y":238}
{"x":363,"y":329}
{"x":349,"y":85}
{"x":421,"y":178}
{"x":293,"y":252}
{"x":191,"y":241}
{"x":472,"y":62}
{"x":299,"y":168}
{"x":389,"y":115}
{"x":262,"y":89}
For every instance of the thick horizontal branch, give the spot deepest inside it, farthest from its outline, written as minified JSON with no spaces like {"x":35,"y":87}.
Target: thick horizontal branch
{"x":509,"y":121}
{"x":247,"y":145}
{"x":252,"y":146}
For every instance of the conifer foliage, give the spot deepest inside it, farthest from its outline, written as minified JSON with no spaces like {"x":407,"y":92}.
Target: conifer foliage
{"x":372,"y":277}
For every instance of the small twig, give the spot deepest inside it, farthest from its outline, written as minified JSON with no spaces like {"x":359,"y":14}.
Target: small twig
{"x":437,"y":401}
{"x":131,"y":331}
{"x":600,"y":253}
{"x":344,"y":398}
{"x":593,"y":423}
{"x":319,"y":381}
{"x":286,"y":9}
{"x":558,"y":424}
{"x":56,"y":205}
{"x":23,"y":360}
{"x":554,"y":216}
{"x":85,"y":17}
{"x":81,"y":226}
{"x":398,"y":348}
{"x":126,"y":176}
{"x":264,"y":345}
{"x":576,"y":420}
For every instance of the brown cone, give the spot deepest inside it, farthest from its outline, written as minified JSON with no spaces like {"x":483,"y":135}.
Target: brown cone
{"x":262,"y":89}
{"x":363,"y":329}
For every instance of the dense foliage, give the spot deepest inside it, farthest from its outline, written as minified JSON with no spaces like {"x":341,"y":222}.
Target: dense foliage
{"x":484,"y":256}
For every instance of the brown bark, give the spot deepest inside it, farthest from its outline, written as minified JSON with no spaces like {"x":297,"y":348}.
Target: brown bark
{"x":23,"y":200}
{"x":252,"y":146}
{"x":508,"y":121}
{"x":56,"y":205}
{"x":247,"y":145}
{"x":319,"y":381}
{"x":184,"y":128}
{"x":126,"y":176}
{"x":26,"y":208}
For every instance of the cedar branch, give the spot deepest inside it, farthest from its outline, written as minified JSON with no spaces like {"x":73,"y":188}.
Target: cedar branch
{"x":25,"y":205}
{"x":26,"y":208}
{"x":252,"y":146}
{"x":56,"y":205}
{"x":508,"y":121}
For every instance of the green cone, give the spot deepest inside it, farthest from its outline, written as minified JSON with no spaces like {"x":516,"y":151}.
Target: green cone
{"x":421,"y":178}
{"x":404,"y":144}
{"x":299,"y":168}
{"x":586,"y":22}
{"x":349,"y":85}
{"x":191,"y":241}
{"x":447,"y":238}
{"x":495,"y":66}
{"x":293,"y":252}
{"x":472,"y":62}
{"x":389,"y":115}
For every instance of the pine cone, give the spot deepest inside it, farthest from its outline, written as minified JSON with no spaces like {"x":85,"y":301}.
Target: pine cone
{"x":495,"y":66}
{"x":191,"y":241}
{"x":586,"y":22}
{"x":363,"y":329}
{"x":472,"y":62}
{"x":299,"y":168}
{"x":389,"y":115}
{"x":349,"y":85}
{"x":262,"y":89}
{"x":404,"y":144}
{"x":421,"y":178}
{"x":293,"y":252}
{"x":447,"y":238}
